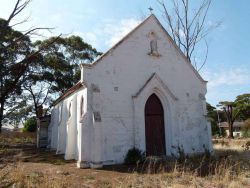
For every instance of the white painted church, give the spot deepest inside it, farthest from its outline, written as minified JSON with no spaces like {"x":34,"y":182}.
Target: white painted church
{"x":141,"y":93}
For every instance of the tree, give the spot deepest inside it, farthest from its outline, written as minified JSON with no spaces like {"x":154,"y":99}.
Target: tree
{"x":30,"y":125}
{"x":246,"y":129}
{"x":215,"y":116}
{"x":18,"y":113}
{"x":231,"y":113}
{"x":17,"y":55}
{"x":242,"y":103}
{"x":212,"y":115}
{"x":59,"y":69}
{"x":236,"y":110}
{"x":187,"y":26}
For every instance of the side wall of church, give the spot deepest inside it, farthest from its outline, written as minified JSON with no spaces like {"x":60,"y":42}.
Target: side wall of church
{"x":65,"y":125}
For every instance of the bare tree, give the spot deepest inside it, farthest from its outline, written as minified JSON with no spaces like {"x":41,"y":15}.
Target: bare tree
{"x":187,"y":26}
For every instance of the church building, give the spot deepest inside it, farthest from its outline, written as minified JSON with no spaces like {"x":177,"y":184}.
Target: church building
{"x":141,"y":93}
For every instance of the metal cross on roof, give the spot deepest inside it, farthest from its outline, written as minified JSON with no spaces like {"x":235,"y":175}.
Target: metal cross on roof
{"x":150,"y":9}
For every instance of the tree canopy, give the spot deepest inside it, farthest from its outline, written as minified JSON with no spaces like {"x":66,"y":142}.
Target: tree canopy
{"x":59,"y":69}
{"x":236,"y":110}
{"x":242,"y":102}
{"x":33,"y":73}
{"x":16,"y":57}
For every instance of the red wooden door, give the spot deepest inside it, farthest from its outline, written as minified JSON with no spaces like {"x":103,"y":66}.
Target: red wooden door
{"x":154,"y":127}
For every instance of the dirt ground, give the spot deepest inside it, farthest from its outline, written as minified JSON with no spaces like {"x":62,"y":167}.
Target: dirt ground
{"x":23,"y":165}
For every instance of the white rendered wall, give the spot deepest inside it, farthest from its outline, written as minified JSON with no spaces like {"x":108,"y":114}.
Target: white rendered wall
{"x":64,"y":136}
{"x":121,"y":74}
{"x":118,"y":87}
{"x":84,"y":129}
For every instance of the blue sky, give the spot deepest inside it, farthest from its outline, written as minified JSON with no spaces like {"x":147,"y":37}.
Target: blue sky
{"x":102,"y":23}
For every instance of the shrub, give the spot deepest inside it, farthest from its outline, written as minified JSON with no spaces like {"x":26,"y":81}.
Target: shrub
{"x":246,"y":133}
{"x":246,"y":146}
{"x":134,"y":156}
{"x":246,"y":129}
{"x":181,"y":154}
{"x":30,"y":125}
{"x":215,"y":128}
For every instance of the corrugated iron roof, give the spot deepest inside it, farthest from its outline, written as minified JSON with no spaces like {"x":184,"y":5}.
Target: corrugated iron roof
{"x":69,"y":92}
{"x":236,"y":124}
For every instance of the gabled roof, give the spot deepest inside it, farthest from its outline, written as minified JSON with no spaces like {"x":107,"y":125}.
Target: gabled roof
{"x":90,"y":65}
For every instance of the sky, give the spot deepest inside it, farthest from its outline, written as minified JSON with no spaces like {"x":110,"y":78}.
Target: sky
{"x":103,"y":23}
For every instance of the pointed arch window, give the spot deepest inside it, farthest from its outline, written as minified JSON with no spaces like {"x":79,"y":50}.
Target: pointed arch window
{"x":82,"y":107}
{"x":60,"y":114}
{"x":70,"y":107}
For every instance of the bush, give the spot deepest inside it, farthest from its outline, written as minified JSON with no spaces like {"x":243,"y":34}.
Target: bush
{"x":246,"y":129}
{"x":246,"y":133}
{"x":30,"y":125}
{"x":215,"y":128}
{"x":134,"y":156}
{"x":246,"y":146}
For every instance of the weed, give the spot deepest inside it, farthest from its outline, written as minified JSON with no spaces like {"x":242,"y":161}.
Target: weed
{"x":246,"y":146}
{"x":134,"y":156}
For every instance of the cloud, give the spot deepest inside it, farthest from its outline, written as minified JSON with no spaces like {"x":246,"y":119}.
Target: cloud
{"x":116,"y":31}
{"x":181,"y":33}
{"x":108,"y":32}
{"x":231,"y":77}
{"x":89,"y":37}
{"x":226,"y":84}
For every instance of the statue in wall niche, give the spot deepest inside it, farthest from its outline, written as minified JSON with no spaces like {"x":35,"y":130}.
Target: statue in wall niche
{"x":153,"y":44}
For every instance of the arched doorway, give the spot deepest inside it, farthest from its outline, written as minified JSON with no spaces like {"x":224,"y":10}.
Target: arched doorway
{"x":154,"y":127}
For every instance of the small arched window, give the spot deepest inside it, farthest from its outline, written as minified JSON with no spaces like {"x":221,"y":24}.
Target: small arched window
{"x":69,"y":109}
{"x":82,"y":106}
{"x":60,"y":114}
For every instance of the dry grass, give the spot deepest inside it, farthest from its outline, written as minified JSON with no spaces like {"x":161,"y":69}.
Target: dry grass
{"x":18,"y":176}
{"x":17,"y":138}
{"x":21,"y":165}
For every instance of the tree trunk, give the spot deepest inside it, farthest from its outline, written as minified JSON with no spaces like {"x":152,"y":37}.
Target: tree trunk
{"x":1,"y":115}
{"x":230,"y":126}
{"x":0,"y":125}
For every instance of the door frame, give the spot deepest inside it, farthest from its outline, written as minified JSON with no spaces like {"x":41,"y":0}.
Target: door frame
{"x":169,"y":101}
{"x":139,"y":119}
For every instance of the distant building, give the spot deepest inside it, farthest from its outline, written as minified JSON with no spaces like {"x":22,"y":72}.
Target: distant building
{"x":237,"y":128}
